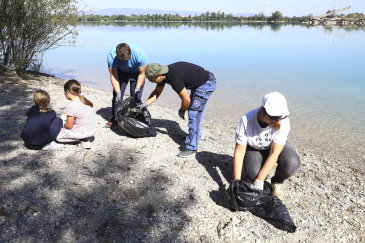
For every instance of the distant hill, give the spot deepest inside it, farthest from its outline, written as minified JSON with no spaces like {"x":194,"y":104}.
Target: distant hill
{"x":130,"y":11}
{"x":243,"y":14}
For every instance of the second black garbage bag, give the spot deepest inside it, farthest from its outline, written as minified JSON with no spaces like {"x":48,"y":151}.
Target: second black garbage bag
{"x":135,"y":121}
{"x":260,"y":203}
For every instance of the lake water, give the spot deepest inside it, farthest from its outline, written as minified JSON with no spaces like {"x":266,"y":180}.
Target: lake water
{"x":319,"y":69}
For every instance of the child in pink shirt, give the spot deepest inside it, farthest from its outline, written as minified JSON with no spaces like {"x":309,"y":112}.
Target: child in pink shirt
{"x":80,"y":124}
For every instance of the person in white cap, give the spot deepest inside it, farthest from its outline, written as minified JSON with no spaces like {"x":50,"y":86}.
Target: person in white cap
{"x":261,"y":143}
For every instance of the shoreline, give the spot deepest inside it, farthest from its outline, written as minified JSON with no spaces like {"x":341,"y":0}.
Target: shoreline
{"x":329,"y":147}
{"x":136,"y":190}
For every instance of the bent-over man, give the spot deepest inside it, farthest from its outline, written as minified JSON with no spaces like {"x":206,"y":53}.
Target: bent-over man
{"x":183,"y":76}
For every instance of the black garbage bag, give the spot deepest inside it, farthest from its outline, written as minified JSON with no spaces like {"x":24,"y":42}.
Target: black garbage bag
{"x":263,"y":204}
{"x":137,"y":122}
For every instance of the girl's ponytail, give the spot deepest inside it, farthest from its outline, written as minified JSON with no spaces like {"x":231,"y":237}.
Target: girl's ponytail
{"x":74,"y":87}
{"x":85,"y":101}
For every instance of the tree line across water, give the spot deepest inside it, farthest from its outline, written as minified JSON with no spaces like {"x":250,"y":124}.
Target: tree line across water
{"x":219,"y":16}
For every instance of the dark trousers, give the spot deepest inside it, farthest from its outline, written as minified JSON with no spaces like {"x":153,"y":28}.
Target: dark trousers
{"x":40,"y":140}
{"x":124,"y":79}
{"x":55,"y":129}
{"x":288,"y":163}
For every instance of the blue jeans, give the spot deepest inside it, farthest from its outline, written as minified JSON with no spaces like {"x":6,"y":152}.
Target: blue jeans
{"x":199,"y":98}
{"x":123,"y":79}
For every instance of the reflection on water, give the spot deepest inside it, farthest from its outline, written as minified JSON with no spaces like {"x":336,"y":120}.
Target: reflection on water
{"x":204,"y":25}
{"x":219,"y":25}
{"x":319,"y":69}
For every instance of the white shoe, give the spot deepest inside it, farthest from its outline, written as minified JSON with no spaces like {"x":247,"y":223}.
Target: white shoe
{"x":278,"y":190}
{"x":86,"y":145}
{"x":52,"y":145}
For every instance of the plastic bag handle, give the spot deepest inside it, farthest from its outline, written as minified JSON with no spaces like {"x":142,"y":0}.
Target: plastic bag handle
{"x":233,"y":197}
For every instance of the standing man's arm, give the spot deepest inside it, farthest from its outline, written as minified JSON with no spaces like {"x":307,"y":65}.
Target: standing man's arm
{"x":185,"y":100}
{"x":141,"y":76}
{"x":114,"y":79}
{"x":155,"y":94}
{"x":142,"y":63}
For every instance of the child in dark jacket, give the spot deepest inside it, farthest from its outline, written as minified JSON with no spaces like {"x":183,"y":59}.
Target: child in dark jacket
{"x":42,"y":126}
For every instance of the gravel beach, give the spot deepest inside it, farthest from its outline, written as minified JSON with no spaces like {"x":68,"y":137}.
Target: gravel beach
{"x":127,"y":189}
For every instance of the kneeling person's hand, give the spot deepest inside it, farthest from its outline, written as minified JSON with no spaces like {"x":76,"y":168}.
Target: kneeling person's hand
{"x":258,"y":185}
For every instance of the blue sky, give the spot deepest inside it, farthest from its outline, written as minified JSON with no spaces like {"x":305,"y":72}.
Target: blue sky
{"x":287,"y":7}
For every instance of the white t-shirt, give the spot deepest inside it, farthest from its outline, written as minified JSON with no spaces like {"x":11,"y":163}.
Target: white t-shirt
{"x":85,"y":117}
{"x":250,"y":132}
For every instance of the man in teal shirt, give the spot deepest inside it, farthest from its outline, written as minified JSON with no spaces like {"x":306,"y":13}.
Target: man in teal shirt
{"x":126,"y":63}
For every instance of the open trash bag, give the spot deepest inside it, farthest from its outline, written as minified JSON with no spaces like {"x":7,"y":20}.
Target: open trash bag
{"x":137,"y":122}
{"x":260,"y":203}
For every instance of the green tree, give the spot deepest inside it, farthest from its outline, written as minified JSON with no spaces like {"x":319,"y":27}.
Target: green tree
{"x":352,"y":15}
{"x":229,"y":17}
{"x":275,"y":16}
{"x":330,"y":15}
{"x":213,"y":16}
{"x":207,"y":18}
{"x":30,"y":27}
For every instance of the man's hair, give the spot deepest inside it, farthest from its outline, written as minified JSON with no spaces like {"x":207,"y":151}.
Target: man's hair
{"x":123,"y":51}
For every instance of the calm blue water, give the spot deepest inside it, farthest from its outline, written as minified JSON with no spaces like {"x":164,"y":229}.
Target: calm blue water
{"x":319,"y":69}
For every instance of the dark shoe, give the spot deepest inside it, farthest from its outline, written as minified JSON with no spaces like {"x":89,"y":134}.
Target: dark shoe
{"x":88,"y":139}
{"x":186,"y":153}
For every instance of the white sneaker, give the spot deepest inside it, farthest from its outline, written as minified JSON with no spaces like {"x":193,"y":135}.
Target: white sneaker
{"x":86,"y":145}
{"x":52,"y":145}
{"x":278,"y":190}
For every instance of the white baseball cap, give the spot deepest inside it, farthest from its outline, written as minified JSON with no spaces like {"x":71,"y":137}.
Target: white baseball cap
{"x":275,"y":104}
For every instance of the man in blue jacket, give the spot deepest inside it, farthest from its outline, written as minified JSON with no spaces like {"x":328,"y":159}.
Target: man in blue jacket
{"x":183,"y":76}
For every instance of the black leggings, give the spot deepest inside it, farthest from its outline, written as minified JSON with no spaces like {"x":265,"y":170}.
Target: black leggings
{"x":288,"y":163}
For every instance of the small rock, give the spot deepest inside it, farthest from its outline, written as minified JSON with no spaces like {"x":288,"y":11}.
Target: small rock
{"x":2,"y":220}
{"x":203,"y":238}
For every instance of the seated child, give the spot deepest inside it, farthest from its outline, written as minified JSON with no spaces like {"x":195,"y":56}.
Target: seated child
{"x":42,"y":126}
{"x":80,"y":123}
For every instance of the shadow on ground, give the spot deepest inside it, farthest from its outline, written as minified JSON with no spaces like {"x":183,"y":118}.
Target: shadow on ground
{"x":97,"y":203}
{"x":105,"y":113}
{"x":171,"y":128}
{"x":79,"y":195}
{"x":219,"y":167}
{"x":13,"y":108}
